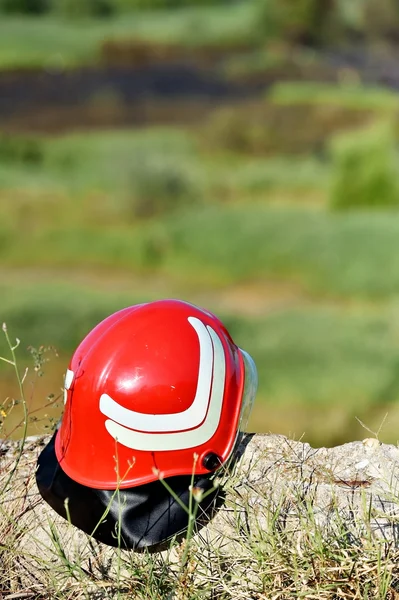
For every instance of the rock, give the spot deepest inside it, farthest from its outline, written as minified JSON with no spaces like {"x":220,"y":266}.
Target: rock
{"x":276,"y":485}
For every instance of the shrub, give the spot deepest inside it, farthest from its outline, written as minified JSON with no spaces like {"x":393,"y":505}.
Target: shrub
{"x":365,"y":168}
{"x":380,"y":18}
{"x":105,"y":8}
{"x":34,"y":7}
{"x":270,"y":128}
{"x":293,"y":20}
{"x":85,"y":8}
{"x":23,"y":149}
{"x":344,"y":96}
{"x":160,"y":187}
{"x":322,"y":22}
{"x":155,"y":4}
{"x":96,"y":8}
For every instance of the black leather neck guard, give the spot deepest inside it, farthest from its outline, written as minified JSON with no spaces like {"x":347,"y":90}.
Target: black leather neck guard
{"x":138,"y":518}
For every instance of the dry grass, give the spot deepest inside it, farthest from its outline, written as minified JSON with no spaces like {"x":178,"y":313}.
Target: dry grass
{"x":263,"y":545}
{"x":286,"y":530}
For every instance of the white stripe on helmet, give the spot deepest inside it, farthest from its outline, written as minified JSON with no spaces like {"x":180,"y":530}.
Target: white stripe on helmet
{"x":187,"y":419}
{"x":172,"y":439}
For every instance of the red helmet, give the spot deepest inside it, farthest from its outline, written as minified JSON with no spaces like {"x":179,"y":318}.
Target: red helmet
{"x":147,"y":389}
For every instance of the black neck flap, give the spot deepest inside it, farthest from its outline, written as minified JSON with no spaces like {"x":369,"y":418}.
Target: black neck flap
{"x":139,"y":518}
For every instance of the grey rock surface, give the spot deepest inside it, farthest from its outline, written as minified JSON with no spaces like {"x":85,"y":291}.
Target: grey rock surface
{"x":349,"y":490}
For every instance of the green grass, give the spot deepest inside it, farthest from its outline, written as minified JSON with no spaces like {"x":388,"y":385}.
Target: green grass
{"x":53,"y":43}
{"x":314,"y":361}
{"x":267,"y":60}
{"x":365,"y":173}
{"x":95,"y":160}
{"x":108,"y":162}
{"x":257,"y":176}
{"x":260,"y":222}
{"x":60,"y":314}
{"x":354,"y":96}
{"x":321,"y":368}
{"x":47,"y":43}
{"x":326,"y":344}
{"x":344,"y":256}
{"x":351,"y":255}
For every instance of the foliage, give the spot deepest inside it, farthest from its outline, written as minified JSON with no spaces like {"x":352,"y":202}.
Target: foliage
{"x":21,"y":149}
{"x":365,"y":167}
{"x":164,"y":4}
{"x":378,"y":19}
{"x":262,"y":177}
{"x":251,"y":238}
{"x":322,"y":329}
{"x":31,"y":42}
{"x":73,"y":213}
{"x":53,"y":41}
{"x":94,"y":8}
{"x":276,"y":124}
{"x":300,"y":245}
{"x":59,"y":315}
{"x":349,"y":96}
{"x":30,"y":7}
{"x":294,"y":20}
{"x":160,"y":187}
{"x":320,"y":22}
{"x":271,"y":128}
{"x":316,"y":387}
{"x":85,"y":8}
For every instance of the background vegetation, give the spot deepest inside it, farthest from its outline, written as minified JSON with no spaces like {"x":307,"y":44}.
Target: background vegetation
{"x":278,"y":212}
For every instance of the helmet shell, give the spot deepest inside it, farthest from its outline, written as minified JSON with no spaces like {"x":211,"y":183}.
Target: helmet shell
{"x":147,"y":390}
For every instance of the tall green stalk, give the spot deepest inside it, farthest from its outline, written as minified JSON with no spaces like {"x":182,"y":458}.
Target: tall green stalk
{"x":20,"y":381}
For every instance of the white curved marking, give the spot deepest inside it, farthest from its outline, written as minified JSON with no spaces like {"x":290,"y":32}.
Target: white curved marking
{"x":187,"y":419}
{"x":69,"y":375}
{"x":137,"y":440}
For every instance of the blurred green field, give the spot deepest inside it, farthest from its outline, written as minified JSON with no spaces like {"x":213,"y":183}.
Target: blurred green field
{"x":54,"y":34}
{"x":320,"y":366}
{"x":280,"y":213}
{"x":55,"y":41}
{"x":93,"y":222}
{"x":58,"y":34}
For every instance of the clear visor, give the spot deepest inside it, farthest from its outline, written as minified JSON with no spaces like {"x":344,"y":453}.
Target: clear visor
{"x":248,"y":398}
{"x":250,"y":388}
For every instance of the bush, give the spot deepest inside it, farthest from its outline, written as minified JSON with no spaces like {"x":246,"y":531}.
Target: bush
{"x":154,"y":4}
{"x":322,"y":22}
{"x":381,"y":19}
{"x":85,"y":8}
{"x":22,"y":149}
{"x":344,"y":96}
{"x":160,"y":187}
{"x":365,"y":168}
{"x":269,"y":128}
{"x":34,"y":7}
{"x":96,"y":8}
{"x":293,"y":20}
